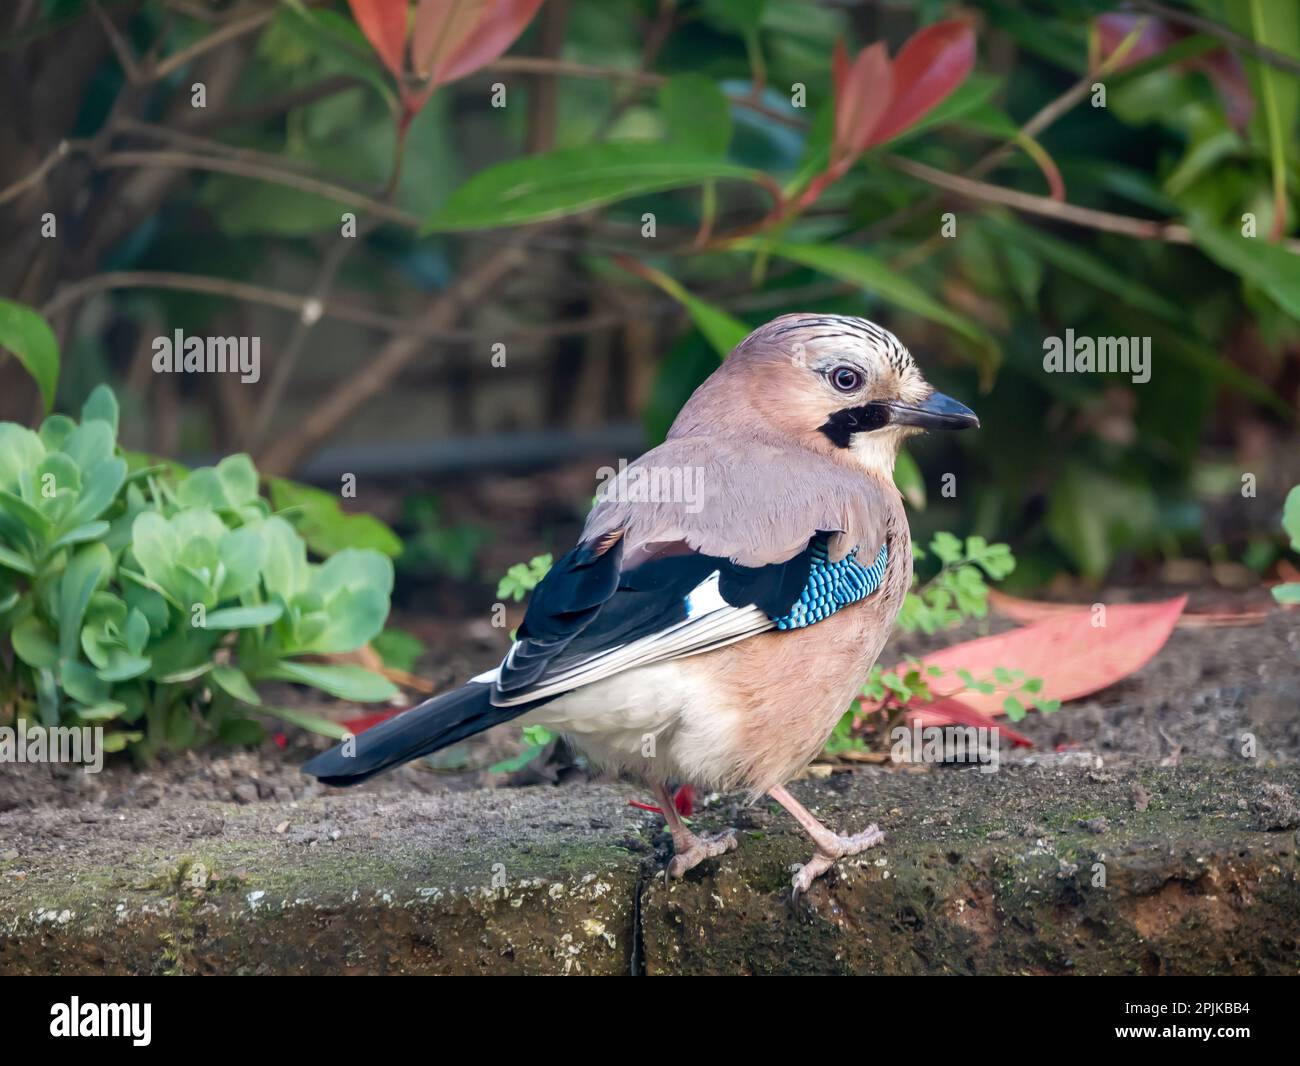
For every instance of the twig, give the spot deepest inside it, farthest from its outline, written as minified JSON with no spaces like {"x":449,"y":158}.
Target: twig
{"x":312,"y":310}
{"x":352,"y":394}
{"x":229,"y":32}
{"x":1146,"y":229}
{"x":277,"y":105}
{"x":1216,"y":29}
{"x":118,"y":43}
{"x":260,"y":172}
{"x":51,"y":160}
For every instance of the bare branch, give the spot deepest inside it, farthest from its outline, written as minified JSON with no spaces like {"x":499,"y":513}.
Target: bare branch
{"x":230,"y":32}
{"x":1201,"y":24}
{"x":261,"y":172}
{"x":51,"y":160}
{"x":350,"y":395}
{"x":1142,"y":228}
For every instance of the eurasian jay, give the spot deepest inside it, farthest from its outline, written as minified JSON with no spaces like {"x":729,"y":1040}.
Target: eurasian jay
{"x":716,"y":636}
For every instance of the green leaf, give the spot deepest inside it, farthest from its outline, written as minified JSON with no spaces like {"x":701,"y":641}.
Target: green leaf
{"x":720,"y":329}
{"x":99,"y":489}
{"x":522,"y":578}
{"x":89,"y":444}
{"x":20,"y":450}
{"x":347,"y":682}
{"x":85,"y":572}
{"x":1288,"y":593}
{"x":262,"y":614}
{"x":233,"y":681}
{"x":25,"y":515}
{"x":859,"y":268}
{"x":908,"y":479}
{"x":285,"y":573}
{"x":399,"y":649}
{"x":946,"y":548}
{"x":34,"y":644}
{"x":104,"y":711}
{"x":303,"y":720}
{"x":1085,"y":267}
{"x":117,"y":741}
{"x":571,"y":180}
{"x":697,"y":113}
{"x":1291,"y":517}
{"x":1275,"y":24}
{"x":338,"y":38}
{"x":1270,"y":266}
{"x":29,"y":337}
{"x":14,"y":561}
{"x":325,"y":526}
{"x":101,"y":404}
{"x":90,"y":531}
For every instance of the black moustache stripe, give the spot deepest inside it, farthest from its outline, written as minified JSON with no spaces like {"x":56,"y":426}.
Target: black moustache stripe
{"x":841,"y":425}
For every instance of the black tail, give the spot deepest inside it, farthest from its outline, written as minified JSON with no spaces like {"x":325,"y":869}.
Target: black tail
{"x":420,"y":731}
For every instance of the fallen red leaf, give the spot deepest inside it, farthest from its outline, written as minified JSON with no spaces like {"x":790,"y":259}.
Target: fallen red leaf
{"x":1073,"y":656}
{"x":945,"y":710}
{"x":1019,"y":610}
{"x":363,"y":722}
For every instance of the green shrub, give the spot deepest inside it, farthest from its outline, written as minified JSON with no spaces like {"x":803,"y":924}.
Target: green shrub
{"x":152,"y":600}
{"x":1290,"y":592}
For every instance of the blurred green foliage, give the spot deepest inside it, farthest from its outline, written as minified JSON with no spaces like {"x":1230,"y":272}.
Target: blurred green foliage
{"x":1076,"y":471}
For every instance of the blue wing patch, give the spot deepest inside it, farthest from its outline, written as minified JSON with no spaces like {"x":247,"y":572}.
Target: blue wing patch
{"x":832,"y":586}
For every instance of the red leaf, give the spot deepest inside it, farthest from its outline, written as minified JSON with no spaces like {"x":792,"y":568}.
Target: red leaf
{"x":384,"y":24}
{"x":933,"y":62}
{"x":1113,"y":27}
{"x":1073,"y":657}
{"x":1236,"y":614}
{"x":683,"y":801}
{"x":1221,"y":66}
{"x":863,"y":93}
{"x":946,"y":710}
{"x":363,"y":722}
{"x":457,"y":37}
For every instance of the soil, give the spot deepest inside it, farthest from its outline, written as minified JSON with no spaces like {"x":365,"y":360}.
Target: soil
{"x":992,"y":869}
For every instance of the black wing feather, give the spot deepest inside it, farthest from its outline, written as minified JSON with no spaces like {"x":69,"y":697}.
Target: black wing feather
{"x":567,"y":623}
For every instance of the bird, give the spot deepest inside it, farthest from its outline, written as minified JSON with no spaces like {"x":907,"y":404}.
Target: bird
{"x":729,"y":593}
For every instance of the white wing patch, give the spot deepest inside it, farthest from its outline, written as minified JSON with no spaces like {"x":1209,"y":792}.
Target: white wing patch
{"x":710,"y":623}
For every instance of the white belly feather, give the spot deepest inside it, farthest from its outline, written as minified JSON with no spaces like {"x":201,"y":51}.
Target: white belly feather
{"x":656,"y":721}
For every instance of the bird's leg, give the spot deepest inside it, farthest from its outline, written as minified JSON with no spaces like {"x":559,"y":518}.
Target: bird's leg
{"x":689,"y":850}
{"x":830,"y":846}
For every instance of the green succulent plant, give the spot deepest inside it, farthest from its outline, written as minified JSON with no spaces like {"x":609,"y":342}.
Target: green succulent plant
{"x":152,"y":600}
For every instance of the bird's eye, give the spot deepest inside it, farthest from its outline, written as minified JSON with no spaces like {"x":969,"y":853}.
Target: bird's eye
{"x":846,"y":379}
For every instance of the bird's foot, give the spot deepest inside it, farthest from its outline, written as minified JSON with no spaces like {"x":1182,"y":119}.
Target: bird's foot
{"x":693,"y":849}
{"x":829,"y":852}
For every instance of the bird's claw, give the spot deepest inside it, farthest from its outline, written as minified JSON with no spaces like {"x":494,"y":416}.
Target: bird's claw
{"x":703,"y":846}
{"x":826,"y":857}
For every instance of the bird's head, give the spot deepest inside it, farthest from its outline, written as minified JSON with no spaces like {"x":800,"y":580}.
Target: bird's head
{"x":836,"y":384}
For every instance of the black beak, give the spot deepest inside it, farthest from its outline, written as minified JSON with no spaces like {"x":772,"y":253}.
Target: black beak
{"x":936,"y":412}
